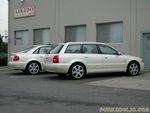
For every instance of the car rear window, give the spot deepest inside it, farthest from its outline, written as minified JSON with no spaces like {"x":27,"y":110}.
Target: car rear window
{"x":75,"y":48}
{"x":26,"y":50}
{"x":57,"y":49}
{"x":44,"y":49}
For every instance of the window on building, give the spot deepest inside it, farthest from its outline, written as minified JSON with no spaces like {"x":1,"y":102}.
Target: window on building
{"x":22,"y":37}
{"x":75,"y":33}
{"x":41,"y":36}
{"x":110,"y":32}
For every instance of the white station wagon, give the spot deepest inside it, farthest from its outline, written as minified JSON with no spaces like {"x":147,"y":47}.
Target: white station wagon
{"x":76,"y":59}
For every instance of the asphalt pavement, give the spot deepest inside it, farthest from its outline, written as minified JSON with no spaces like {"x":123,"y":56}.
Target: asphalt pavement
{"x":49,"y":93}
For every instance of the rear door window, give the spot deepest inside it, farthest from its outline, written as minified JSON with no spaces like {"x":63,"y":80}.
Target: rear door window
{"x":90,"y":49}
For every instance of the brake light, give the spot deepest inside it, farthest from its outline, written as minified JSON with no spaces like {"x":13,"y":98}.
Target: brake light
{"x":16,"y":58}
{"x":56,"y":59}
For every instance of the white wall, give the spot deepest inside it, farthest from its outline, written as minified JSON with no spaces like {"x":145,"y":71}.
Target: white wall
{"x":91,"y":12}
{"x":56,"y":14}
{"x":44,"y":18}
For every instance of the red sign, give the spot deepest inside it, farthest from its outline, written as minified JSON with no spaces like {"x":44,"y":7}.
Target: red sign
{"x":24,"y":12}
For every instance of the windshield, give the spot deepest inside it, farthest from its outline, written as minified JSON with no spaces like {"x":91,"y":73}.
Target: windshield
{"x":26,"y":50}
{"x":56,"y":49}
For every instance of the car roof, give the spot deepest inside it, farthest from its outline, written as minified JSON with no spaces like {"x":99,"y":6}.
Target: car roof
{"x":45,"y":45}
{"x":85,"y":43}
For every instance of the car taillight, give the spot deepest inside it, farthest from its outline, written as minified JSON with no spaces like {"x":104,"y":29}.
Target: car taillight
{"x":16,"y":58}
{"x":56,"y":59}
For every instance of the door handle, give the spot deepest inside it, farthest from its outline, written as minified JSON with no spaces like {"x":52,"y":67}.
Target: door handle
{"x":106,"y":57}
{"x":85,"y":57}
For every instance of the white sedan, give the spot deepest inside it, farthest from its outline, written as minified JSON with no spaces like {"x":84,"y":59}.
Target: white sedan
{"x":30,"y":60}
{"x":76,"y":59}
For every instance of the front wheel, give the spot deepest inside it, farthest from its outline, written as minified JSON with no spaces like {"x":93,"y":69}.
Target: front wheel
{"x":77,"y":71}
{"x":133,"y":69}
{"x":33,"y":68}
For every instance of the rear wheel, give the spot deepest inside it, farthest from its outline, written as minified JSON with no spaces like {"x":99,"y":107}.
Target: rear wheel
{"x":77,"y":71}
{"x":133,"y":69}
{"x":33,"y":68}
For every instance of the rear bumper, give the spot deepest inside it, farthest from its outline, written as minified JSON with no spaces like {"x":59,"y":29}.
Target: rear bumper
{"x":17,"y":65}
{"x":142,"y":66}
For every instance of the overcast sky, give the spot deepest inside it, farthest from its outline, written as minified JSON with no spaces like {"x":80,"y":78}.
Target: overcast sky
{"x":3,"y":16}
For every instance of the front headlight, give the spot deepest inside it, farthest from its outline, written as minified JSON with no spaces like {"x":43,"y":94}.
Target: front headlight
{"x":141,"y":60}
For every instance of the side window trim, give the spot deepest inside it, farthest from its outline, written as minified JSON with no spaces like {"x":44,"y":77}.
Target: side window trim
{"x":98,"y":48}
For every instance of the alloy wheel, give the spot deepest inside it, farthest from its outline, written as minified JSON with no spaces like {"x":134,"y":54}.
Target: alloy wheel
{"x":33,"y":68}
{"x":77,"y":71}
{"x":133,"y":69}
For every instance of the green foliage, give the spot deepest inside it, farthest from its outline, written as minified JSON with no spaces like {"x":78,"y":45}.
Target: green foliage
{"x":3,"y":52}
{"x":3,"y":47}
{"x":0,"y":39}
{"x":3,"y":61}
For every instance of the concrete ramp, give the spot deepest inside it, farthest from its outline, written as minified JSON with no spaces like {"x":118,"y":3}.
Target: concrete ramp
{"x":124,"y":82}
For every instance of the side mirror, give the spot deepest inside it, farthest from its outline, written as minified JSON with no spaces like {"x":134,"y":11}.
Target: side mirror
{"x":119,"y":53}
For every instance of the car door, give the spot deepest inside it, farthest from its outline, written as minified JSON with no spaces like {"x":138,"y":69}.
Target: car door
{"x":112,"y":61}
{"x":39,"y":54}
{"x":92,"y":58}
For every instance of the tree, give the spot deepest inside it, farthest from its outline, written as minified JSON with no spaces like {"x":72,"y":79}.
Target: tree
{"x":3,"y":52}
{"x":3,"y":46}
{"x":1,"y":41}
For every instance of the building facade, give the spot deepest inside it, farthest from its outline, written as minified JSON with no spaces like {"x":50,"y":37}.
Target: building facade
{"x":124,"y":24}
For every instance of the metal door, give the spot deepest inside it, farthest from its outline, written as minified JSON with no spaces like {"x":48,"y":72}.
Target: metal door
{"x":146,"y":50}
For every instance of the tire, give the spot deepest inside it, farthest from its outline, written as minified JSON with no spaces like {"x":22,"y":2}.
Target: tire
{"x":77,"y":71}
{"x":33,"y":68}
{"x":133,"y":69}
